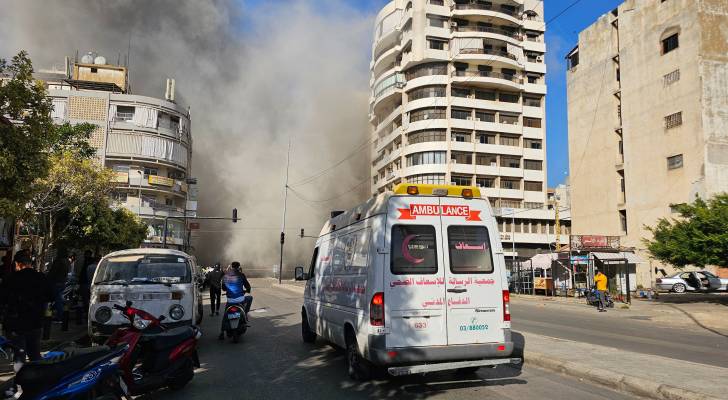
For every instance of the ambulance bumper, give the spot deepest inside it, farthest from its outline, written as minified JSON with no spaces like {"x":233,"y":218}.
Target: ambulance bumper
{"x":480,"y":354}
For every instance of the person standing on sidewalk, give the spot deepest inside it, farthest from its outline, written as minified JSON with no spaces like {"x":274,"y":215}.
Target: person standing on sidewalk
{"x":214,"y":278}
{"x":57,"y":275}
{"x":600,"y":281}
{"x":24,"y":296}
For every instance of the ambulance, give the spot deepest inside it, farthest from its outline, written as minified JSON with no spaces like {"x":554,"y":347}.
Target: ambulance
{"x":411,"y":281}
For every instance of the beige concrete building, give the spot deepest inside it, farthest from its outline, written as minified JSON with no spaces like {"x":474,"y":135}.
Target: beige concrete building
{"x":458,"y":97}
{"x":648,"y":127}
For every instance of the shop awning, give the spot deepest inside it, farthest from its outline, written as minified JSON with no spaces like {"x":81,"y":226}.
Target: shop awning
{"x":614,"y":257}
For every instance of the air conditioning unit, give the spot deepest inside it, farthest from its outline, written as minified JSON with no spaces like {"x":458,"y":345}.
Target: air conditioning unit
{"x":539,"y":58}
{"x":453,"y":24}
{"x":399,"y":85}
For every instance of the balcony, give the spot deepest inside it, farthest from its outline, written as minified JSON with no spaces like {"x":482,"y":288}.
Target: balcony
{"x":488,"y":29}
{"x":486,"y":74}
{"x":485,"y":7}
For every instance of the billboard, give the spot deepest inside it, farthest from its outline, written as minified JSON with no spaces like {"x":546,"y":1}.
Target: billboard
{"x":161,"y":180}
{"x":589,"y":242}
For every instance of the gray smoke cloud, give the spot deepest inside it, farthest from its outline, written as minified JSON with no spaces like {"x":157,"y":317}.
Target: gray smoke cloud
{"x":254,"y":77}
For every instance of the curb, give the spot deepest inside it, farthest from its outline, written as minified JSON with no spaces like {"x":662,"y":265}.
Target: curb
{"x":614,"y":380}
{"x":291,"y":288}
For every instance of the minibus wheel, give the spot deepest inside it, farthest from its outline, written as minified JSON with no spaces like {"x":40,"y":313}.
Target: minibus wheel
{"x":358,"y":368}
{"x":308,"y":335}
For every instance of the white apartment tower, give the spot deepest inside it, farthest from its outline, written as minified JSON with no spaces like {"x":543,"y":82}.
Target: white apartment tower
{"x":458,"y":97}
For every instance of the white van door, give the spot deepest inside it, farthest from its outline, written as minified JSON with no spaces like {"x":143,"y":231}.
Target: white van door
{"x":474,"y":296}
{"x":414,"y":278}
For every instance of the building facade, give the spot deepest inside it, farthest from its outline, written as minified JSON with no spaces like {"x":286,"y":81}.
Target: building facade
{"x":647,"y":94}
{"x":458,"y":97}
{"x":146,"y":141}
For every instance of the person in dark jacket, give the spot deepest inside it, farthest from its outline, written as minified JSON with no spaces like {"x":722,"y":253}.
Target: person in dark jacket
{"x":214,"y":278}
{"x":24,"y":296}
{"x":57,"y":275}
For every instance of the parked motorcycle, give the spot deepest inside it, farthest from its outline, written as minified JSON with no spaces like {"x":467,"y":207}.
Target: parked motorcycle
{"x":235,"y":321}
{"x":592,"y":298}
{"x":157,"y":357}
{"x":70,"y":373}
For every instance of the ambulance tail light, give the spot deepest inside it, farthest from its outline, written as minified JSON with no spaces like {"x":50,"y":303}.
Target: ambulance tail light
{"x":376,"y":310}
{"x":506,"y":306}
{"x":413,"y":190}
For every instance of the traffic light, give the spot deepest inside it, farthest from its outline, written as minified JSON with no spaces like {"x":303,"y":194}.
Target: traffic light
{"x":235,"y":215}
{"x":283,"y":237}
{"x":301,"y":232}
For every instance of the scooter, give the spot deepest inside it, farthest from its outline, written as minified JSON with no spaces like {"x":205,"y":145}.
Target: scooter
{"x":157,"y":357}
{"x":235,"y":321}
{"x":70,"y":373}
{"x":592,"y":298}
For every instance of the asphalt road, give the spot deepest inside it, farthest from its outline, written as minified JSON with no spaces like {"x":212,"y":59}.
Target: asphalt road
{"x":585,"y":324}
{"x":271,"y":362}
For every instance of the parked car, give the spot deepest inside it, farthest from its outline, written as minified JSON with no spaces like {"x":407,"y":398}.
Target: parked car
{"x":411,"y":282}
{"x":158,"y":281}
{"x":693,"y":281}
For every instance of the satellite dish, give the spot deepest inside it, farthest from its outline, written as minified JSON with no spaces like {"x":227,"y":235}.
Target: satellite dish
{"x":100,"y":60}
{"x":88,"y":58}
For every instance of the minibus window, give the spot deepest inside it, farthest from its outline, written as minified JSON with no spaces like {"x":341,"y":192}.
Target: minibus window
{"x":414,"y":250}
{"x":469,"y":248}
{"x":313,"y":263}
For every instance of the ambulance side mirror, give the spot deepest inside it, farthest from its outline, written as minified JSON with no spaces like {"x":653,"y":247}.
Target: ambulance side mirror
{"x":299,"y":274}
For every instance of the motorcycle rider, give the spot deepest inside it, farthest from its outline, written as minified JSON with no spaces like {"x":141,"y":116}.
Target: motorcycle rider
{"x":235,"y":285}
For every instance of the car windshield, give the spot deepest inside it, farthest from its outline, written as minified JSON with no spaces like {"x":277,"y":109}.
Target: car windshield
{"x":143,"y":269}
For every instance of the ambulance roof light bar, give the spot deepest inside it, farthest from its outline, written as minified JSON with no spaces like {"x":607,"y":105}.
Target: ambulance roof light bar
{"x":423,"y":189}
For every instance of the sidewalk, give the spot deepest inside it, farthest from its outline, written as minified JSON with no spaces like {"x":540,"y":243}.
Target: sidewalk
{"x":639,"y":374}
{"x":678,"y":311}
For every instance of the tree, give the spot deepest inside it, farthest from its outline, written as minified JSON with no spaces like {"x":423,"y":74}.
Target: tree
{"x":698,"y":237}
{"x":102,"y":228}
{"x":30,"y":140}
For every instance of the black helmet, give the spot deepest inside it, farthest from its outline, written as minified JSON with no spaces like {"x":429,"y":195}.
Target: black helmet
{"x":236,"y":266}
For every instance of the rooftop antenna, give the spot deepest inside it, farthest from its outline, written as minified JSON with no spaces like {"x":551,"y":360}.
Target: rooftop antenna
{"x":75,"y":60}
{"x":128,"y":60}
{"x":118,"y":58}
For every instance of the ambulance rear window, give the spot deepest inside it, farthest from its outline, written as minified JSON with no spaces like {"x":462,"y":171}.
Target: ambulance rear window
{"x":414,"y":250}
{"x":469,"y":248}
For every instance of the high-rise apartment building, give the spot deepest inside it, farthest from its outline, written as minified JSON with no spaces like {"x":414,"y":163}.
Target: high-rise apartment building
{"x":146,"y":141}
{"x":647,"y":101}
{"x":458,"y":97}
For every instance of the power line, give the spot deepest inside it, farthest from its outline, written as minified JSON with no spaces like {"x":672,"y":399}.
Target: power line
{"x":325,"y":170}
{"x":300,"y":196}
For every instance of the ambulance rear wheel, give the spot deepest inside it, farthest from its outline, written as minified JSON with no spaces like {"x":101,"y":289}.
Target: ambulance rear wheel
{"x":357,"y":367}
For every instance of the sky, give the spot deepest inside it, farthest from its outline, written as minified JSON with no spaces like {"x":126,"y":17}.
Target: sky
{"x":562,"y":34}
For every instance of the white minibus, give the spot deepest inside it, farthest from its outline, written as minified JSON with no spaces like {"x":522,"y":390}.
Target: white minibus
{"x":411,"y":281}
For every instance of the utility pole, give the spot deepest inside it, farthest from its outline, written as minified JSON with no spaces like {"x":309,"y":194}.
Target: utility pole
{"x":285,"y":204}
{"x":557,"y":223}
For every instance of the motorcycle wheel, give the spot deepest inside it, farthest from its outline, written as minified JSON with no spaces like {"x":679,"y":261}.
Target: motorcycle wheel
{"x":183,"y":377}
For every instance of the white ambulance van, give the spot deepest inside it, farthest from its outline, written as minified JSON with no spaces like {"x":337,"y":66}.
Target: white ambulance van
{"x":412,"y":281}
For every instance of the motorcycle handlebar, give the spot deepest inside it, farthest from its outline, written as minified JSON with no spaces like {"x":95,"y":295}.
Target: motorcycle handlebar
{"x":118,"y":307}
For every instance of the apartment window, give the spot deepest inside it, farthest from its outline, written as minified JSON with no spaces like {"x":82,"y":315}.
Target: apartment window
{"x":517,"y":227}
{"x":532,"y":143}
{"x":124,"y":113}
{"x":94,"y":70}
{"x":673,"y":120}
{"x":532,"y":101}
{"x":533,"y":186}
{"x":534,"y":57}
{"x":461,"y":137}
{"x":459,"y":92}
{"x":435,"y":21}
{"x":514,"y":184}
{"x":623,"y":220}
{"x":507,"y":140}
{"x":675,"y":208}
{"x":427,"y":91}
{"x":121,"y":197}
{"x":426,"y":136}
{"x":437,"y":2}
{"x":533,"y":36}
{"x":460,"y":180}
{"x":486,"y":182}
{"x":484,"y":95}
{"x":533,"y":79}
{"x":486,"y":159}
{"x":533,"y":206}
{"x":535,"y":165}
{"x":572,"y":59}
{"x":150,"y":171}
{"x":437,"y":43}
{"x":672,"y":77}
{"x":485,"y":138}
{"x":485,"y":116}
{"x":434,"y":179}
{"x":427,"y":113}
{"x":508,"y":97}
{"x":509,"y":203}
{"x":510,"y":162}
{"x":426,"y":157}
{"x":462,"y":158}
{"x":426,"y":70}
{"x":670,"y":43}
{"x":532,"y":122}
{"x":120,"y":168}
{"x":508,"y":119}
{"x":675,"y":162}
{"x":460,"y":114}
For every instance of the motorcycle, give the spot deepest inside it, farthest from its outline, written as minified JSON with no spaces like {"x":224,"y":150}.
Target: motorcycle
{"x":69,"y":373}
{"x":592,"y":298}
{"x":157,"y":357}
{"x":235,"y":321}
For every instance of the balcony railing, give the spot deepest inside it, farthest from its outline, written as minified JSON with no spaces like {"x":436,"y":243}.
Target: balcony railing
{"x":489,"y":29}
{"x":480,"y":50}
{"x":483,"y":6}
{"x":487,"y":74}
{"x":123,"y":116}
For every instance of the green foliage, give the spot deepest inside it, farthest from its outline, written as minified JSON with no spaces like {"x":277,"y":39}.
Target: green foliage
{"x":101,"y":228}
{"x":28,"y":142}
{"x":699,"y":237}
